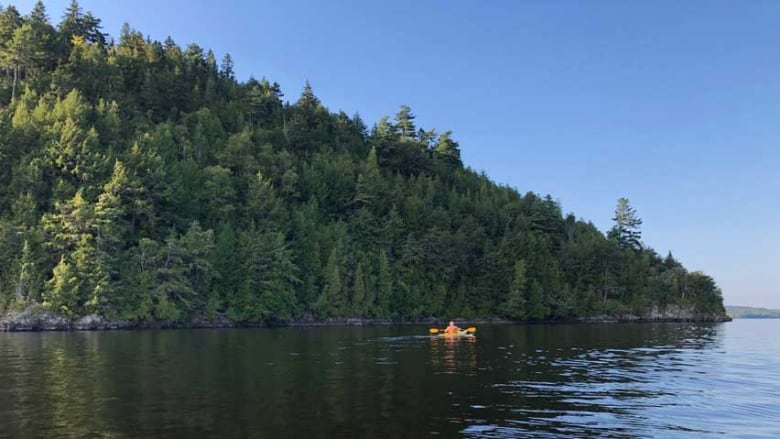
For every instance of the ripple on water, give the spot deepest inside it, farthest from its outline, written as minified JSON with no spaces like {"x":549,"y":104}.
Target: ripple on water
{"x":677,"y":389}
{"x":547,"y":381}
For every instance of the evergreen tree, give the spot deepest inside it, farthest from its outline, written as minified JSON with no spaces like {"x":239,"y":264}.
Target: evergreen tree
{"x":226,"y":67}
{"x":448,"y":151}
{"x":308,"y":100}
{"x":535,"y":302}
{"x":333,"y":302}
{"x":360,"y":301}
{"x":626,"y":230}
{"x":26,"y":282}
{"x":515,"y":305}
{"x":384,"y":286}
{"x":404,"y":123}
{"x":76,"y":23}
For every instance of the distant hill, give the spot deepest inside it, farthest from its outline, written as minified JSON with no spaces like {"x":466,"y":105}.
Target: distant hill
{"x":747,"y":312}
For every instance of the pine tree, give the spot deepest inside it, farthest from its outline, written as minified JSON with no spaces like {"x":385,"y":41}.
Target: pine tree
{"x":535,"y":302}
{"x":307,"y":99}
{"x":384,"y":287}
{"x":626,"y":231}
{"x":226,"y":67}
{"x":332,"y":302}
{"x":359,"y":293}
{"x":25,"y":285}
{"x":63,"y":290}
{"x":226,"y":262}
{"x":24,"y":51}
{"x":447,"y":151}
{"x":515,"y":305}
{"x":404,"y":122}
{"x":76,"y":23}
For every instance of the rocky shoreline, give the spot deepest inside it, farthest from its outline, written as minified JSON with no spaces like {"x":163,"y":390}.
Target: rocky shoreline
{"x":37,"y":318}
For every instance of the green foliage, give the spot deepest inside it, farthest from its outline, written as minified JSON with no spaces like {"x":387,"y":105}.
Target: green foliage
{"x":333,"y":299}
{"x":626,"y":230}
{"x":515,"y":305}
{"x":143,"y":181}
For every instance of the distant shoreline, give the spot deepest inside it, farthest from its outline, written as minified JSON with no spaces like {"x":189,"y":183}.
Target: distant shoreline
{"x":749,"y":312}
{"x":755,"y":317}
{"x":38,"y":320}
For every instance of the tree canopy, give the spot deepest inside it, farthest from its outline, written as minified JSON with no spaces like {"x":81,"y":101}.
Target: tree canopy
{"x":626,"y":230}
{"x":143,"y":181}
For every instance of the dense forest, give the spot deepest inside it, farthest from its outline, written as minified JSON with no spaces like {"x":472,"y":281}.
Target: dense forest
{"x":142,"y":181}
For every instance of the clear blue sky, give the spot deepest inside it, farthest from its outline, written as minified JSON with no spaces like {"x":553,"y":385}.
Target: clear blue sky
{"x":675,"y":105}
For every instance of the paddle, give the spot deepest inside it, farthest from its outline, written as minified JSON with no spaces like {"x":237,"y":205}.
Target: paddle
{"x":470,"y":330}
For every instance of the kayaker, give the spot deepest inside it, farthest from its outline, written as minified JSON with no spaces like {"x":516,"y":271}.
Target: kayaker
{"x":452,"y":329}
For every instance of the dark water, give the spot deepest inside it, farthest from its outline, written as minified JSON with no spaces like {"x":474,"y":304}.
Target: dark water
{"x":616,"y":380}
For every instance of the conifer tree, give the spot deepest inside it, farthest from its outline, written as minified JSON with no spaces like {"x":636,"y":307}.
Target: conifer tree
{"x":359,"y":294}
{"x":627,"y":226}
{"x":404,"y":123}
{"x":332,"y":302}
{"x":515,"y":305}
{"x":307,"y":99}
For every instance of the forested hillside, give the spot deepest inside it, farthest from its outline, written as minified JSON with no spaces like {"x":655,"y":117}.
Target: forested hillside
{"x":142,"y":181}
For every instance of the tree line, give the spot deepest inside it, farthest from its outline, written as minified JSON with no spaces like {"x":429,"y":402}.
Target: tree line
{"x":143,"y":181}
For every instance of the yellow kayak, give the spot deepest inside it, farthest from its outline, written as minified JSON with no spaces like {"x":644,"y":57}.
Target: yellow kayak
{"x":457,"y":334}
{"x":468,"y":333}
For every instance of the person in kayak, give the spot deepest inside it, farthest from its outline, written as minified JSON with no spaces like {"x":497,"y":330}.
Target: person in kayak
{"x":452,"y":329}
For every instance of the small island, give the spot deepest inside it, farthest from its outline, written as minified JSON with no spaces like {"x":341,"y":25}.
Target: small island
{"x":145,"y":186}
{"x":748,"y":312}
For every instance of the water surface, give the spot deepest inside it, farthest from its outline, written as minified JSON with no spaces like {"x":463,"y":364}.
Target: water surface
{"x":611,"y":380}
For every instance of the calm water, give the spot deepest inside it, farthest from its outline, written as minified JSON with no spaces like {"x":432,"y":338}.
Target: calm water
{"x":616,"y":380}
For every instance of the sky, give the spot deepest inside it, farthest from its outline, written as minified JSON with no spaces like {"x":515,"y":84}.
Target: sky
{"x":674,"y":105}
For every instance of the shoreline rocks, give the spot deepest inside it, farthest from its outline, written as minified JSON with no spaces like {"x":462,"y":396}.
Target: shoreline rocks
{"x":37,"y":318}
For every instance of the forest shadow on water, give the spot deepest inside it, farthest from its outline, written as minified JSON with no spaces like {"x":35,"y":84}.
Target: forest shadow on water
{"x":598,"y":380}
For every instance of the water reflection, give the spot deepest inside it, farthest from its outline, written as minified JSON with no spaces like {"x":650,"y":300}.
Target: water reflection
{"x":454,"y":355}
{"x":567,"y":384}
{"x":512,"y":381}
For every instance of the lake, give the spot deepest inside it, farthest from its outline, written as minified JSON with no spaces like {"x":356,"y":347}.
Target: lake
{"x":584,"y":380}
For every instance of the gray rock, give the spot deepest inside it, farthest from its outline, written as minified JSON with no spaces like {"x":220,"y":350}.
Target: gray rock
{"x":89,"y":322}
{"x":119,"y":324}
{"x":37,"y":318}
{"x":681,"y":313}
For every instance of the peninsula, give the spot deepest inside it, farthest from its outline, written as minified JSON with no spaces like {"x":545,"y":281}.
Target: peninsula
{"x":143,"y":183}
